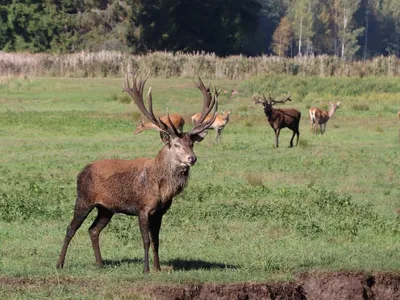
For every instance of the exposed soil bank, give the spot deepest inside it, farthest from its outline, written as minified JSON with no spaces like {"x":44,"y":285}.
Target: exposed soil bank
{"x":307,"y":286}
{"x":310,"y":286}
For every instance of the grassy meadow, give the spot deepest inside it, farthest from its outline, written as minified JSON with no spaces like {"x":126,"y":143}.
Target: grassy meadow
{"x":250,"y":212}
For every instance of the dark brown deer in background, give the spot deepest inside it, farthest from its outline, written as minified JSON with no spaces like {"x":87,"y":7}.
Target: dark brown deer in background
{"x":281,"y":118}
{"x":143,"y":187}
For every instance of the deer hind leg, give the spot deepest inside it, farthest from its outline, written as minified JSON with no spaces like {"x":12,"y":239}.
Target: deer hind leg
{"x":103,"y":218}
{"x":291,"y":140}
{"x":298,"y":135}
{"x":80,"y":214}
{"x":154,"y":226}
{"x":144,"y":230}
{"x":312,"y":122}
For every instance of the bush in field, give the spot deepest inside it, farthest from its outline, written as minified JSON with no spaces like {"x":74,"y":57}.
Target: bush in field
{"x":32,"y":201}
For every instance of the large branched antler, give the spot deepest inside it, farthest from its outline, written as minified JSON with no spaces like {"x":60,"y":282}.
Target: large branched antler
{"x":209,"y":102}
{"x":273,"y":101}
{"x":136,"y":93}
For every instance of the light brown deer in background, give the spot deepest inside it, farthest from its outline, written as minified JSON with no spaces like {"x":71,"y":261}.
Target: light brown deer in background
{"x":321,"y":117}
{"x":281,"y":118}
{"x":219,"y":123}
{"x":176,"y":120}
{"x":143,"y":186}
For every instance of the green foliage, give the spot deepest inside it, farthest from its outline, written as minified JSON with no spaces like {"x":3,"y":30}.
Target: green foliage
{"x":312,"y":211}
{"x":192,"y":26}
{"x":30,"y":200}
{"x":32,"y":26}
{"x":342,"y":29}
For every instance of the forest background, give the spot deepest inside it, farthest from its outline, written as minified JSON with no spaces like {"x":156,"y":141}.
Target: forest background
{"x":349,"y":29}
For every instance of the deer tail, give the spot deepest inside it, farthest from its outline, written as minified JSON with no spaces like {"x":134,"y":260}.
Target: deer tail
{"x":312,"y":116}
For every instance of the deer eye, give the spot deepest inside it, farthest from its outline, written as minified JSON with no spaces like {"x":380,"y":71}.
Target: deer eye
{"x":177,"y":146}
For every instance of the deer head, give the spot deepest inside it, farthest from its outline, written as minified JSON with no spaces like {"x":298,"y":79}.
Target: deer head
{"x":140,"y":127}
{"x":225,"y":114}
{"x":179,"y":145}
{"x":334,"y":106}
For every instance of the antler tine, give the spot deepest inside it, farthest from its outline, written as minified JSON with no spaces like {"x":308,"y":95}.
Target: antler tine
{"x":208,"y":100}
{"x":259,"y":100}
{"x":150,"y":104}
{"x":270,"y":96}
{"x":176,"y":132}
{"x":200,"y":126}
{"x":287,"y":98}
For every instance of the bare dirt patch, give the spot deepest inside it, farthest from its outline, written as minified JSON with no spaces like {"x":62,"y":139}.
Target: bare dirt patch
{"x":308,"y":286}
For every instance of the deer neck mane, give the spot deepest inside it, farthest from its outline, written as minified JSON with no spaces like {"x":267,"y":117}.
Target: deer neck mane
{"x":170,"y":176}
{"x":331,"y":111}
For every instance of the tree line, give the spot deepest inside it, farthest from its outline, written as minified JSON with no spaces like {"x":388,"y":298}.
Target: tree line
{"x":350,"y":29}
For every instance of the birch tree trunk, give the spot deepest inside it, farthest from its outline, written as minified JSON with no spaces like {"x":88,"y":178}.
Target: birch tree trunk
{"x":300,"y":34}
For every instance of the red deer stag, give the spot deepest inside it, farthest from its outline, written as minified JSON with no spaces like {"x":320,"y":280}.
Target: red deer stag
{"x":219,"y":123}
{"x":143,"y":187}
{"x":176,"y":119}
{"x":281,"y":118}
{"x":321,"y":117}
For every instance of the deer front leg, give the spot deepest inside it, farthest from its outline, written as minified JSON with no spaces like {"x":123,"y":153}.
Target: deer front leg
{"x":277,"y":131}
{"x":144,"y":230}
{"x":155,"y":225}
{"x":219,"y":131}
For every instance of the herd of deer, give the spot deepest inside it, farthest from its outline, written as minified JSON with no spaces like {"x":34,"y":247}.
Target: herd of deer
{"x":290,"y":117}
{"x":145,"y":187}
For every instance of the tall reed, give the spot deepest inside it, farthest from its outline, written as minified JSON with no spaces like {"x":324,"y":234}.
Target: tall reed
{"x":168,"y":64}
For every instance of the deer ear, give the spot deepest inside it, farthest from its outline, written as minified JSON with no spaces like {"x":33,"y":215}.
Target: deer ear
{"x":338,"y":103}
{"x":165,"y":138}
{"x":198,"y":137}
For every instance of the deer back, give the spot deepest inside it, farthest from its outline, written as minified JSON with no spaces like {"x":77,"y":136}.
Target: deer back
{"x":283,"y":117}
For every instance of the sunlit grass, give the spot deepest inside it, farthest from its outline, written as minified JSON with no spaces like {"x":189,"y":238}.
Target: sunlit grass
{"x":250,"y":213}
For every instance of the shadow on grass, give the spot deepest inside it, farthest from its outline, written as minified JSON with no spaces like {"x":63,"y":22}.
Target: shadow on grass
{"x":124,"y":261}
{"x":181,"y":264}
{"x":176,"y":264}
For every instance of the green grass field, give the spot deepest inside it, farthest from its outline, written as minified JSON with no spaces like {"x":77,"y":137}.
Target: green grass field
{"x":250,"y":212}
